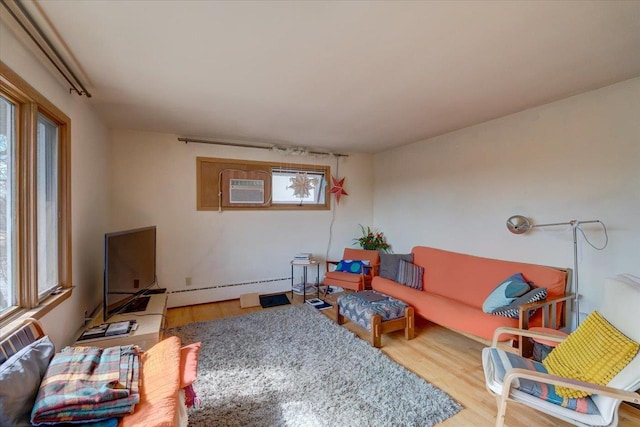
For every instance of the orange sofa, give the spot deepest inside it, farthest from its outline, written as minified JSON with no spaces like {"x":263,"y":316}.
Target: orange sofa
{"x":455,"y":286}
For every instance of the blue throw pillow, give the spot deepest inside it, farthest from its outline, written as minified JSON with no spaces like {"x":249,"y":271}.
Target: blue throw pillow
{"x":507,"y":291}
{"x":351,"y":266}
{"x":20,"y":377}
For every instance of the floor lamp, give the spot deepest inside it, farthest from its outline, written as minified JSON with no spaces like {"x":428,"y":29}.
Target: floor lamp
{"x":519,"y":224}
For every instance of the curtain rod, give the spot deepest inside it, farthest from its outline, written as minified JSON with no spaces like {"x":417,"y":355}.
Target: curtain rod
{"x":262,"y":147}
{"x":31,"y":28}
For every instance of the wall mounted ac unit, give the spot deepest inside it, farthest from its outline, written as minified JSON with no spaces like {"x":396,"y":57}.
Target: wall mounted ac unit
{"x":246,"y":191}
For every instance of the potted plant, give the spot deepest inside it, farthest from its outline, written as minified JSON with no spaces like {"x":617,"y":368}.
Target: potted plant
{"x":372,"y":240}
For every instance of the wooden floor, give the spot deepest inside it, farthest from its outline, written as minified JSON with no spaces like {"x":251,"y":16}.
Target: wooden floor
{"x":444,"y":358}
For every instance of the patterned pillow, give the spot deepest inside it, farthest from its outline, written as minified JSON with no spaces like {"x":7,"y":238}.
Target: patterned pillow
{"x":595,"y":352}
{"x":504,"y":294}
{"x":511,"y":310}
{"x":351,"y":266}
{"x":410,"y":274}
{"x":389,"y":264}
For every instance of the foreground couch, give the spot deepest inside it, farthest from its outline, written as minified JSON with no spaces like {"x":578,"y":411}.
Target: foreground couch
{"x":455,"y":285}
{"x":162,"y":400}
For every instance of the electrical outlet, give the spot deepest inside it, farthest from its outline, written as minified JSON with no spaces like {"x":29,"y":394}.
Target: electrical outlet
{"x":187,"y":281}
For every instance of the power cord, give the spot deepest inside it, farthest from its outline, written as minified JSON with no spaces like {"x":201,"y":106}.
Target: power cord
{"x":586,"y":239}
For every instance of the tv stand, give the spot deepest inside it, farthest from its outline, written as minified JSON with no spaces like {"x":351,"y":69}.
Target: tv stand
{"x":138,"y":304}
{"x":150,"y":322}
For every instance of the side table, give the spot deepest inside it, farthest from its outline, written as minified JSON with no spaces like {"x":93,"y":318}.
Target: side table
{"x":305,"y":266}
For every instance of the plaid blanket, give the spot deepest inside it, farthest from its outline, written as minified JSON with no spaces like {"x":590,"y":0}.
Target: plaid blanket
{"x":88,"y":383}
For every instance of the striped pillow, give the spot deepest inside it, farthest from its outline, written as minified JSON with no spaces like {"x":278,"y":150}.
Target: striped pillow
{"x":410,"y":274}
{"x":512,"y":310}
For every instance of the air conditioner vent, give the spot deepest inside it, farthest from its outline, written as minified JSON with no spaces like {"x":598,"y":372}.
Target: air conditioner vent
{"x":246,"y":191}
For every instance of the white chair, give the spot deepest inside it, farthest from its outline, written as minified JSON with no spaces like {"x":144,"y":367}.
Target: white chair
{"x":619,"y":306}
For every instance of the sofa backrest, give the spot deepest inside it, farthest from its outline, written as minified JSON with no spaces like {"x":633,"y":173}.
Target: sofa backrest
{"x":28,"y":332}
{"x":470,"y":279}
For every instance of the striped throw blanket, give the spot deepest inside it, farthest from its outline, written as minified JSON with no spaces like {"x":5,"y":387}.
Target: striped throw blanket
{"x":88,"y":383}
{"x":504,"y":360}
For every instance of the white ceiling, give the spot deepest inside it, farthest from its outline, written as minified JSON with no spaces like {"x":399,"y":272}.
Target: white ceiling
{"x":351,"y":76}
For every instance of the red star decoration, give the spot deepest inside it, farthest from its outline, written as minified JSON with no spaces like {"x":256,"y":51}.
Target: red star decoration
{"x":338,"y":189}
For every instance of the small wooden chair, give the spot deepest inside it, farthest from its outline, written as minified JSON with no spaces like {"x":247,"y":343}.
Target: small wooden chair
{"x":354,"y":281}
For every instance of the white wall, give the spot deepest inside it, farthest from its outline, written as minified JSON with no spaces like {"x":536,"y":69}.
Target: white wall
{"x":89,"y":139}
{"x":154,"y":183}
{"x":577,"y":158}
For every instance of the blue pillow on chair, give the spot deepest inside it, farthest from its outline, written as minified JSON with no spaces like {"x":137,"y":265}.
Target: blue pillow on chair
{"x":351,"y":266}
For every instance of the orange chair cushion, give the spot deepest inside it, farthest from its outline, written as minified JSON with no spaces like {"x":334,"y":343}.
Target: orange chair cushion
{"x":343,"y":276}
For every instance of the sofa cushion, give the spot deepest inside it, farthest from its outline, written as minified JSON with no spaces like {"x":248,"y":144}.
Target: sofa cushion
{"x":446,"y":311}
{"x":504,"y":294}
{"x":595,"y":352}
{"x":410,"y":274}
{"x":353,"y":266}
{"x":23,"y":371}
{"x":389,"y":264}
{"x":159,"y":386}
{"x":511,"y":310}
{"x":479,"y":275}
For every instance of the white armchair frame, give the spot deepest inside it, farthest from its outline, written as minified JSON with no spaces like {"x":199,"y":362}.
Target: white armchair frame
{"x":607,"y":398}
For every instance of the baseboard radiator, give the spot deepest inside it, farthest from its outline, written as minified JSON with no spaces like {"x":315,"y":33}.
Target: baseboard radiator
{"x":227,"y":285}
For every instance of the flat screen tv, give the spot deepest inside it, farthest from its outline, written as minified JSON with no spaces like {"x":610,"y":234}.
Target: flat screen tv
{"x":129,"y":270}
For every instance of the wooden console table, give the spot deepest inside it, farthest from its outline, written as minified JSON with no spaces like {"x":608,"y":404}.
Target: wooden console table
{"x":150,"y":325}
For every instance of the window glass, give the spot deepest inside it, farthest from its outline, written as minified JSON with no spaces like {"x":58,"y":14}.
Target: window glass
{"x":35,"y":204}
{"x":47,"y":210}
{"x":7,"y":283}
{"x":297,"y":186}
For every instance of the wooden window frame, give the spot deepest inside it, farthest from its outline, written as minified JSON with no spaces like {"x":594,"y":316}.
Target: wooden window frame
{"x":28,"y":104}
{"x":209,"y":186}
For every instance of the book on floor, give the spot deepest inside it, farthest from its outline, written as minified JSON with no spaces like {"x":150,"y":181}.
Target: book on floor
{"x":318,"y":303}
{"x":299,"y":289}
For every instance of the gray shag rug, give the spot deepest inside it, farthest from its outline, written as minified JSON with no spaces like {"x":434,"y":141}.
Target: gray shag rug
{"x":295,"y":367}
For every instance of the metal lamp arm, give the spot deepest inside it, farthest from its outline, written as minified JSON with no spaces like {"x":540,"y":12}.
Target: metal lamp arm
{"x":573,"y":223}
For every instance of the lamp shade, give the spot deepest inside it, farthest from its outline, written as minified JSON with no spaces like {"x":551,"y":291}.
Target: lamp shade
{"x":518,"y":224}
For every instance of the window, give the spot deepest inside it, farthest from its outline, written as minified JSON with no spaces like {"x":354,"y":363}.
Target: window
{"x":47,"y":208}
{"x":283,"y":182}
{"x":228,"y":184}
{"x":35,"y":241}
{"x":7,"y":285}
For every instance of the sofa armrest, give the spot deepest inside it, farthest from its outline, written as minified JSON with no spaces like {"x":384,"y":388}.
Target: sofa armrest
{"x":328,"y":263}
{"x":516,"y":373}
{"x":522,"y":333}
{"x":371,"y":270}
{"x":549,"y":312}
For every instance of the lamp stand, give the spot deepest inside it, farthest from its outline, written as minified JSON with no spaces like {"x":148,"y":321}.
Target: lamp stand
{"x":519,"y":224}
